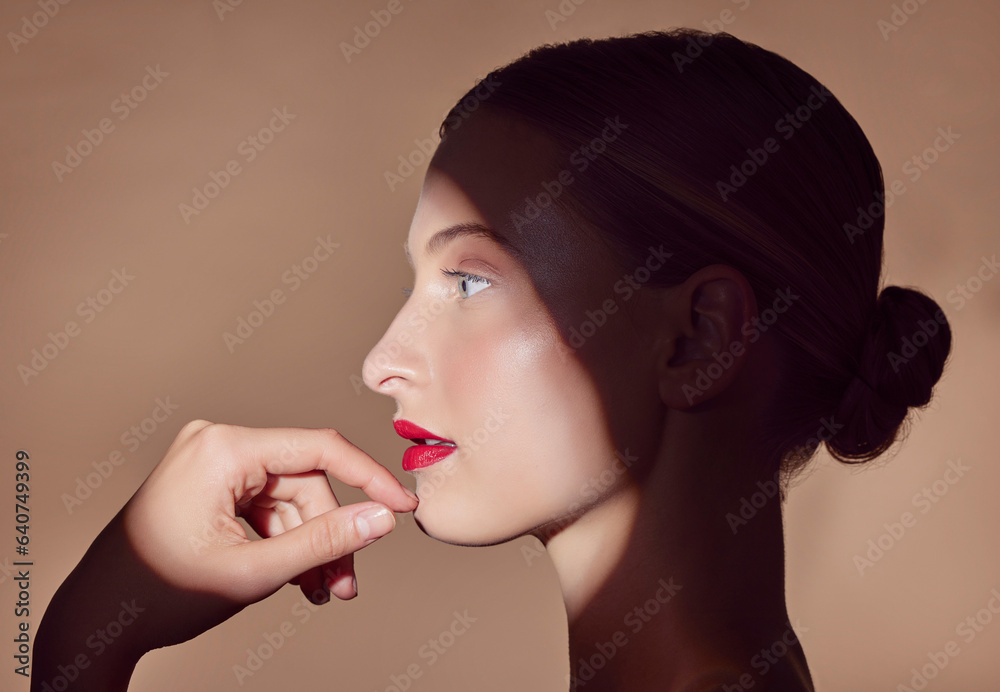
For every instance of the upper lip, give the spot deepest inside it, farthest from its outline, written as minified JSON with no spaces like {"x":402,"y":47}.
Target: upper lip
{"x":412,"y":431}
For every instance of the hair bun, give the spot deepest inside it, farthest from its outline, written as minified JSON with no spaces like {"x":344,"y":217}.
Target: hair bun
{"x":902,"y":358}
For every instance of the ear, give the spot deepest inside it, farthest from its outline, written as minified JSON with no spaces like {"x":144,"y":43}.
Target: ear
{"x":704,"y":345}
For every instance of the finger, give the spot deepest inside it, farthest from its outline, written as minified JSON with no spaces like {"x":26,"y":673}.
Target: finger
{"x":273,"y":512}
{"x":309,"y":492}
{"x":319,"y":541}
{"x":342,"y":460}
{"x":300,"y":450}
{"x":340,"y":578}
{"x":305,"y":496}
{"x":274,"y":521}
{"x":268,"y":522}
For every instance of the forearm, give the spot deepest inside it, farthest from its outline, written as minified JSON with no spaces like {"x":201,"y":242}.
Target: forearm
{"x":83,"y":640}
{"x":75,"y":648}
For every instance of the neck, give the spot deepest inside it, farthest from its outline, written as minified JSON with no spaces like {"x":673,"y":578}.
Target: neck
{"x":664,"y":591}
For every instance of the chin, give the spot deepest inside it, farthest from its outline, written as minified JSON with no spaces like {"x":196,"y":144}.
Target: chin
{"x":459,"y":524}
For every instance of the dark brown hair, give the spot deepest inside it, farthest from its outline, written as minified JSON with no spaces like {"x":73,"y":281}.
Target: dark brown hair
{"x":733,"y":155}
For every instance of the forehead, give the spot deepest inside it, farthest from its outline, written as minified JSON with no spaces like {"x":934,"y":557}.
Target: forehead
{"x":497,"y":156}
{"x":491,"y":170}
{"x":485,"y":168}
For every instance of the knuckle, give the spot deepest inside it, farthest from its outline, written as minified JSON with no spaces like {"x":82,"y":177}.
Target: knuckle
{"x":213,"y":443}
{"x":327,"y":542}
{"x":193,"y":426}
{"x":332,"y":435}
{"x":215,"y":435}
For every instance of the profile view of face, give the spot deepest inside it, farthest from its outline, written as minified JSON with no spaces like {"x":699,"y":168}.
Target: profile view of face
{"x":479,"y":354}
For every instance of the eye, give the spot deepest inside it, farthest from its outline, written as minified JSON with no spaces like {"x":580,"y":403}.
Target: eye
{"x":468,"y":284}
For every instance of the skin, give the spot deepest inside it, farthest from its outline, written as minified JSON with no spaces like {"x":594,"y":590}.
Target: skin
{"x":538,"y":424}
{"x":180,"y":563}
{"x":611,"y":537}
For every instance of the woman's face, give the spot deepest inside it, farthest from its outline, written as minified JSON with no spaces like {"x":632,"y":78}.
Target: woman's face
{"x":482,"y":352}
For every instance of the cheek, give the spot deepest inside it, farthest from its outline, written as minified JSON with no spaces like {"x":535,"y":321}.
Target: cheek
{"x":567,"y":419}
{"x":490,"y":376}
{"x":532,"y":413}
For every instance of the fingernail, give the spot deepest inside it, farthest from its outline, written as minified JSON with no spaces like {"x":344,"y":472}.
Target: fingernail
{"x":354,"y":583}
{"x":374,"y":523}
{"x":411,"y":494}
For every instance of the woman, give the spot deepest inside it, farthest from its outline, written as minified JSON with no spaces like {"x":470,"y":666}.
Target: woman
{"x":646,"y":290}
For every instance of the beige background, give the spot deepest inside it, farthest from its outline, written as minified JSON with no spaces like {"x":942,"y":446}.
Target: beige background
{"x":324,"y":174}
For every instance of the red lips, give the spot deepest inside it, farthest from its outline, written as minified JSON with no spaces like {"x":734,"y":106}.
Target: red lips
{"x":421,"y":454}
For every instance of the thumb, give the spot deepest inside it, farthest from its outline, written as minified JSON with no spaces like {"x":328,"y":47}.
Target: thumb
{"x":316,"y":542}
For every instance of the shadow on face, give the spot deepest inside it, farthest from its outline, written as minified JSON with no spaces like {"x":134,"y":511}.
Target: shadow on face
{"x":536,"y":361}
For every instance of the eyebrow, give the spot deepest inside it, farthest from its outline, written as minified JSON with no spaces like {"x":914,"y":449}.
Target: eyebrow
{"x":440,"y":240}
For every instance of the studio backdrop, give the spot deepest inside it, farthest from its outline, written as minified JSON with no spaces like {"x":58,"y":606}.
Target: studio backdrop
{"x":203,"y":211}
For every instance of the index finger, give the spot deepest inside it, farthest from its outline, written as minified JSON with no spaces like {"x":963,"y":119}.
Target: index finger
{"x":299,"y":450}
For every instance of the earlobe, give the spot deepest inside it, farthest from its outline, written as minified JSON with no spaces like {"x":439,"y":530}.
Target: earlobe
{"x":707,"y":344}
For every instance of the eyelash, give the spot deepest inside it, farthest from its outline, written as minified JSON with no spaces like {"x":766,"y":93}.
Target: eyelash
{"x":466,"y":275}
{"x":455,"y":273}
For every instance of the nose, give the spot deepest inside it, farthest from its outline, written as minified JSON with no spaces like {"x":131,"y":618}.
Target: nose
{"x":397,"y":358}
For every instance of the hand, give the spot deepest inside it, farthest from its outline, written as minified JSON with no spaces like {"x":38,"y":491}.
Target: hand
{"x":177,"y":552}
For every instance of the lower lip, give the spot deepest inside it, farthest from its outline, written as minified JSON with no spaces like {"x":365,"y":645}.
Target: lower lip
{"x":421,"y":456}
